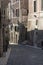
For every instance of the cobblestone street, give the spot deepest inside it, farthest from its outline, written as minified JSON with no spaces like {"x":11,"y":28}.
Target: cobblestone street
{"x":25,"y":55}
{"x":4,"y":58}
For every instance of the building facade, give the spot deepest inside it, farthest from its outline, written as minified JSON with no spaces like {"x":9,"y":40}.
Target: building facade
{"x":24,"y":18}
{"x":30,"y":14}
{"x":4,"y":21}
{"x":1,"y":38}
{"x":35,"y":21}
{"x":18,"y":12}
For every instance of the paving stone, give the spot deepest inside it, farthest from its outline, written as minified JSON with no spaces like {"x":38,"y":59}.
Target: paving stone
{"x":25,"y":55}
{"x":4,"y":59}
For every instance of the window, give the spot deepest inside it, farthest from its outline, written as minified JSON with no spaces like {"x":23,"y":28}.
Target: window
{"x":34,"y":6}
{"x":16,"y":0}
{"x":27,"y":11}
{"x":11,"y":36}
{"x":16,"y":28}
{"x":41,"y":4}
{"x":36,"y":22}
{"x":11,"y":27}
{"x":4,"y":13}
{"x":17,"y":12}
{"x":13,"y":13}
{"x":16,"y":38}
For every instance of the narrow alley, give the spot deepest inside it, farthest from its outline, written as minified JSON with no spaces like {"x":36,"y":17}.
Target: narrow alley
{"x":21,"y":32}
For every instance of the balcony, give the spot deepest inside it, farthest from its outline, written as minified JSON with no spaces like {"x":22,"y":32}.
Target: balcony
{"x":14,"y":3}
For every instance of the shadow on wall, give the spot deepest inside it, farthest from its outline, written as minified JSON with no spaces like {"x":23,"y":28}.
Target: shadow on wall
{"x":22,"y":33}
{"x":35,"y":37}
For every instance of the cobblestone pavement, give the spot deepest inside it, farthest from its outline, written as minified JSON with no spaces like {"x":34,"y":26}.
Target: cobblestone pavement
{"x":4,"y":59}
{"x":25,"y":55}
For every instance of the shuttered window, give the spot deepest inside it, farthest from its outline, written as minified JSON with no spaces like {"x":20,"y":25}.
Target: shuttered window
{"x":34,"y":6}
{"x":41,"y":4}
{"x":17,"y":12}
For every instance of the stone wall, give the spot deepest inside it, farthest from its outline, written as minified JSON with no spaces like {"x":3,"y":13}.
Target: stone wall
{"x":1,"y":37}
